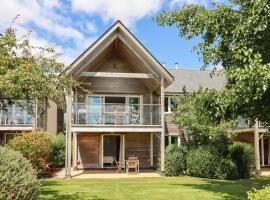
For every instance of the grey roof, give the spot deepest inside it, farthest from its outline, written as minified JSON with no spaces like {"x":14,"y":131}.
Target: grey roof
{"x":193,"y":80}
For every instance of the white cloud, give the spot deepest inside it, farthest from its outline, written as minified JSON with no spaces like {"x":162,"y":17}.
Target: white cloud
{"x":43,"y":14}
{"x":128,"y":11}
{"x":91,"y":27}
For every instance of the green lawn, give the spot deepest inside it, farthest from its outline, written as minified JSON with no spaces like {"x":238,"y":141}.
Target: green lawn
{"x":148,"y":188}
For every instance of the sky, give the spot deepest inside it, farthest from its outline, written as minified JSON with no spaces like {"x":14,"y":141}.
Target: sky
{"x":73,"y":25}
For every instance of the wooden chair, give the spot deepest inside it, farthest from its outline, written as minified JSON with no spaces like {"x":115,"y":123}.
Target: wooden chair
{"x":133,"y":163}
{"x":120,"y":165}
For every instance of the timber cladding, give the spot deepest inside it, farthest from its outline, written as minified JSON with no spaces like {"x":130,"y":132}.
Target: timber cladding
{"x":138,"y":144}
{"x":88,"y":150}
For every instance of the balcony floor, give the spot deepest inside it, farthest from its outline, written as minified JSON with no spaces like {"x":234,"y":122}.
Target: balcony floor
{"x":116,"y":128}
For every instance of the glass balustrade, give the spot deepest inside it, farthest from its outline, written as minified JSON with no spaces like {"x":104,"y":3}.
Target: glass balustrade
{"x":14,"y":115}
{"x":116,"y":114}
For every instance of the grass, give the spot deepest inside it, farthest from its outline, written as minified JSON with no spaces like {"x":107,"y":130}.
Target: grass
{"x":148,"y":188}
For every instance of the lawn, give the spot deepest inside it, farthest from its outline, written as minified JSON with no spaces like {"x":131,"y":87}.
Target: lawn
{"x":148,"y":188}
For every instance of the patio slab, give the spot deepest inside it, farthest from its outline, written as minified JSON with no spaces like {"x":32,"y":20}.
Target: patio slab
{"x":106,"y":174}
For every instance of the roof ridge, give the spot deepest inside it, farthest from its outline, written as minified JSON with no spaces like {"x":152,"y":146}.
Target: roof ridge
{"x":189,"y":69}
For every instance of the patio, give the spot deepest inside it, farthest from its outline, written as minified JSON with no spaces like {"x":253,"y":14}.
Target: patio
{"x":107,"y":173}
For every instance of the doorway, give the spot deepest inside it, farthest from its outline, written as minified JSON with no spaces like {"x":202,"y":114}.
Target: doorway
{"x":111,"y":150}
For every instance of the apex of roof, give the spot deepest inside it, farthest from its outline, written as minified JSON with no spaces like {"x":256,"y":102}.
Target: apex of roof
{"x":118,"y":29}
{"x":193,"y":80}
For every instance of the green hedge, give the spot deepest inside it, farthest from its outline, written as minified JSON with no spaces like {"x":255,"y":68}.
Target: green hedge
{"x":262,"y":194}
{"x":204,"y":162}
{"x":175,"y":160}
{"x":58,"y":150}
{"x":17,"y":177}
{"x":243,"y":156}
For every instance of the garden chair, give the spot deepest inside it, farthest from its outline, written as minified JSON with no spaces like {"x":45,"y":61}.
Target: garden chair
{"x":120,"y":165}
{"x":133,"y":163}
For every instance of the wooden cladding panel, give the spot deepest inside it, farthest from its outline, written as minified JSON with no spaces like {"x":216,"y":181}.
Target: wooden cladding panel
{"x":245,"y":137}
{"x":88,"y":150}
{"x":115,"y":65}
{"x":117,"y":85}
{"x":138,"y":144}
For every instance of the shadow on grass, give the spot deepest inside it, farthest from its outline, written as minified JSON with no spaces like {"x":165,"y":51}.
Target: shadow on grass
{"x":48,"y":193}
{"x":230,"y":190}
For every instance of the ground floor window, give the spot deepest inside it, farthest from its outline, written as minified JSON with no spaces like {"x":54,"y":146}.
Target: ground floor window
{"x":172,"y":140}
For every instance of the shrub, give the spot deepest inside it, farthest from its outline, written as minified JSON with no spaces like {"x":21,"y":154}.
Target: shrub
{"x":35,"y":146}
{"x":243,"y":157}
{"x":175,"y":160}
{"x":262,"y":194}
{"x":17,"y":177}
{"x":204,"y":162}
{"x":58,"y":150}
{"x":227,"y":170}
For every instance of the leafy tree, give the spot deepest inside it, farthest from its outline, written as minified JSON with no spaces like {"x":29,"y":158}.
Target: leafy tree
{"x":235,"y":35}
{"x":30,"y":73}
{"x":191,"y":115}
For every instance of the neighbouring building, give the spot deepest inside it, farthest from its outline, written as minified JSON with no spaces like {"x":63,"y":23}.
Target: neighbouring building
{"x":14,"y":120}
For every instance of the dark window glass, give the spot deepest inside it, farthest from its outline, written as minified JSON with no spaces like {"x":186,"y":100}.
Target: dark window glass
{"x":166,"y":104}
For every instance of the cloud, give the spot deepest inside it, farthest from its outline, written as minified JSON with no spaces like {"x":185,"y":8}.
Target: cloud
{"x":50,"y":26}
{"x":70,"y":25}
{"x":128,"y":11}
{"x":91,"y":27}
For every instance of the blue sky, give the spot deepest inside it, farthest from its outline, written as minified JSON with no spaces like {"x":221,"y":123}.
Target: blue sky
{"x":72,"y":25}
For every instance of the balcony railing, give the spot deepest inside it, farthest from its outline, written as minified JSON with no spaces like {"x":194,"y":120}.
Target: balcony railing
{"x":245,"y":123}
{"x":15,"y":116}
{"x":116,"y":114}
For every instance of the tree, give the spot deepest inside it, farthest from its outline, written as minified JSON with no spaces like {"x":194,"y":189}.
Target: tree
{"x":235,"y":35}
{"x":30,"y":73}
{"x":192,"y":115}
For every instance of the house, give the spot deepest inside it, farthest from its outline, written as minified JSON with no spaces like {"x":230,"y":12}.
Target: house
{"x":128,"y":110}
{"x":14,"y":120}
{"x":123,"y":115}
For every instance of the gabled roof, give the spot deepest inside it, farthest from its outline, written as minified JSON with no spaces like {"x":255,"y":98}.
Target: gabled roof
{"x":192,"y":80}
{"x":119,"y":31}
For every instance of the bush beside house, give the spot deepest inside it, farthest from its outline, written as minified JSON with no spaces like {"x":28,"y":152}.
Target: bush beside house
{"x":34,"y":146}
{"x":243,"y":157}
{"x":58,"y":150}
{"x":17,"y":177}
{"x":175,"y":160}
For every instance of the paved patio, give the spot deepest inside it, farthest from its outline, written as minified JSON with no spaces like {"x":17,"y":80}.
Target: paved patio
{"x":107,"y":173}
{"x":265,"y":171}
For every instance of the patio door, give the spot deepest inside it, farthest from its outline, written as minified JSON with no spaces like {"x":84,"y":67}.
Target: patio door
{"x":112,"y":148}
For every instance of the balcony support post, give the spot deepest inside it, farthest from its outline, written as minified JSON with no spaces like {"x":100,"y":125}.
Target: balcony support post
{"x":75,"y":151}
{"x":162,"y":138}
{"x":256,"y":147}
{"x":262,"y":150}
{"x":151,"y":150}
{"x":68,"y":136}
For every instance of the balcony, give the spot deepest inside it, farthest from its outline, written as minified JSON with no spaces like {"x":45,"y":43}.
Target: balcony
{"x":116,"y":114}
{"x":243,"y":123}
{"x":13,"y":115}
